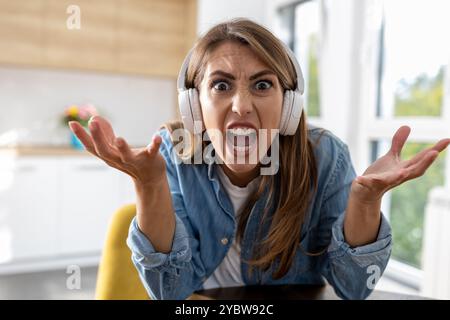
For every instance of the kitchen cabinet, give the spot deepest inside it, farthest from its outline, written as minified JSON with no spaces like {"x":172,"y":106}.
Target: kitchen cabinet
{"x":88,"y":197}
{"x":57,"y":206}
{"x":122,"y":36}
{"x":21,"y":32}
{"x":29,"y":210}
{"x":92,"y":47}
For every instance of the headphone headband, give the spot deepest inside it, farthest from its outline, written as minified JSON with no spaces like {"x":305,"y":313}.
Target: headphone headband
{"x":300,"y":86}
{"x":181,"y":80}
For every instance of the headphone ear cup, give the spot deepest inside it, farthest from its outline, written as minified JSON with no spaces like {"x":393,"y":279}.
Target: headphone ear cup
{"x":299,"y":105}
{"x":291,"y":113}
{"x":190,"y":111}
{"x":296,"y":113}
{"x":285,"y":111}
{"x":196,"y":110}
{"x":184,"y":105}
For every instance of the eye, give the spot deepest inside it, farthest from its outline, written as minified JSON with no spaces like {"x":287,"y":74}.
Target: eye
{"x":220,"y":85}
{"x":263,"y":85}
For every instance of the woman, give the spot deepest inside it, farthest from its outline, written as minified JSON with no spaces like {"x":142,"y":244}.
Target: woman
{"x":224,"y":223}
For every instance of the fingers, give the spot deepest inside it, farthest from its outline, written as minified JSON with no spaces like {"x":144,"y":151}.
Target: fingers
{"x":418,"y":169}
{"x":87,"y":141}
{"x":388,"y":180}
{"x":399,"y":139}
{"x":125,"y":150}
{"x":103,"y":148}
{"x":105,"y":128}
{"x":84,"y":137}
{"x":439,"y":146}
{"x":116,"y":154}
{"x":153,"y":147}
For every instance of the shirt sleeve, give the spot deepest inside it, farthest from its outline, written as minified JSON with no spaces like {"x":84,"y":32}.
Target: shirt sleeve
{"x":353,"y":272}
{"x":177,"y":274}
{"x":145,"y":254}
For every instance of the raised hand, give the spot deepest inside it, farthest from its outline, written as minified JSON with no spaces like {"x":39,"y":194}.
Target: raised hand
{"x":390,"y":171}
{"x":145,"y":165}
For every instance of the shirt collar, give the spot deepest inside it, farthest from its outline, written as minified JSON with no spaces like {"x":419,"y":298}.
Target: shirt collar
{"x":222,"y":198}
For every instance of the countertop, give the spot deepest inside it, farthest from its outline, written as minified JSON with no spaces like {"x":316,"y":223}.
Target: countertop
{"x":41,"y":150}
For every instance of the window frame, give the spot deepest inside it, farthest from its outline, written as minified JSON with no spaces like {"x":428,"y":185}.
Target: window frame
{"x":289,"y":37}
{"x":425,"y":129}
{"x":367,"y":48}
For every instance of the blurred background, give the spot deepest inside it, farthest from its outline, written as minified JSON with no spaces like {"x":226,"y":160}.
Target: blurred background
{"x":370,"y":66}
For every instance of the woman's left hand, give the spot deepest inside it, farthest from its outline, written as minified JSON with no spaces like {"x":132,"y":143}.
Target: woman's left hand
{"x":390,"y":171}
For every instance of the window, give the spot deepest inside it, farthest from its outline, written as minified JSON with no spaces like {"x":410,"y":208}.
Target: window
{"x":413,"y":63}
{"x":414,"y":59}
{"x":405,"y":205}
{"x":370,"y":67}
{"x":301,"y":22}
{"x":307,"y":42}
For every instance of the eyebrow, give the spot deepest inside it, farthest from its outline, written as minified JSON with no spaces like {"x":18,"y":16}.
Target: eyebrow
{"x":230,"y":76}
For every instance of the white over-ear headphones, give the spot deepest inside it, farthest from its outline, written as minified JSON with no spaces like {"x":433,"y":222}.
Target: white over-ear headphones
{"x":191,"y":113}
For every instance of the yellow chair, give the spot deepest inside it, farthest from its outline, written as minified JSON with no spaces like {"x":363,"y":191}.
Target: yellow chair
{"x":117,"y":278}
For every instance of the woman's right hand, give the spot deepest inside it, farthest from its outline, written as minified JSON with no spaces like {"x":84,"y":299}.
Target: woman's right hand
{"x":145,"y":165}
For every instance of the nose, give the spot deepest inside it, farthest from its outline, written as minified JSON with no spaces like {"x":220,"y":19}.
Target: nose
{"x":242,"y":103}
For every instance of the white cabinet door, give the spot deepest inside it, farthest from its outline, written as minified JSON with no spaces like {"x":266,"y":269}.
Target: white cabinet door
{"x":57,"y":206}
{"x":29,"y":208}
{"x":89,"y":197}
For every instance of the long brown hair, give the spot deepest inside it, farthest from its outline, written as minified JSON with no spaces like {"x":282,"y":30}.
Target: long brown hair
{"x":297,"y":172}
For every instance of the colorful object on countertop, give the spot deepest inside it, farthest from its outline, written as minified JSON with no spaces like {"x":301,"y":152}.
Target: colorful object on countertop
{"x":81,"y":114}
{"x":75,"y":142}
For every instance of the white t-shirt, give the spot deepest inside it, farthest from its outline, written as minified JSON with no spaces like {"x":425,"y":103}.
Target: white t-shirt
{"x":228,"y":273}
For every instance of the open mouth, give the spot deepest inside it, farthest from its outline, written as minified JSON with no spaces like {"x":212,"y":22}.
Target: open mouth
{"x":241,"y":140}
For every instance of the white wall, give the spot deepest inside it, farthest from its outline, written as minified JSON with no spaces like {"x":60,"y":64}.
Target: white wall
{"x":211,"y":12}
{"x":34,"y":99}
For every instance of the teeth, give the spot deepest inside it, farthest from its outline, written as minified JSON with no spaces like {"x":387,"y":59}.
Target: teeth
{"x":241,"y":138}
{"x":242,"y":131}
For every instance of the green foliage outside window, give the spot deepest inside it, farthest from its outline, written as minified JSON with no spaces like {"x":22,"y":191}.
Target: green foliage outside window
{"x":313,"y":79}
{"x":408,"y":203}
{"x":421,"y":98}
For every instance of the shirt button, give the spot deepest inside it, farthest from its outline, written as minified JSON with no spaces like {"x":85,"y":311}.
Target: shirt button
{"x":224,"y":241}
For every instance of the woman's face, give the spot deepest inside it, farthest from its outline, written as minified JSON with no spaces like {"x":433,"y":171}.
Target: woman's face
{"x":239,"y":96}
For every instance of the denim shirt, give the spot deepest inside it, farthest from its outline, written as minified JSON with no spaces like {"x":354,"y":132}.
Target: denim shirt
{"x":206,"y":226}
